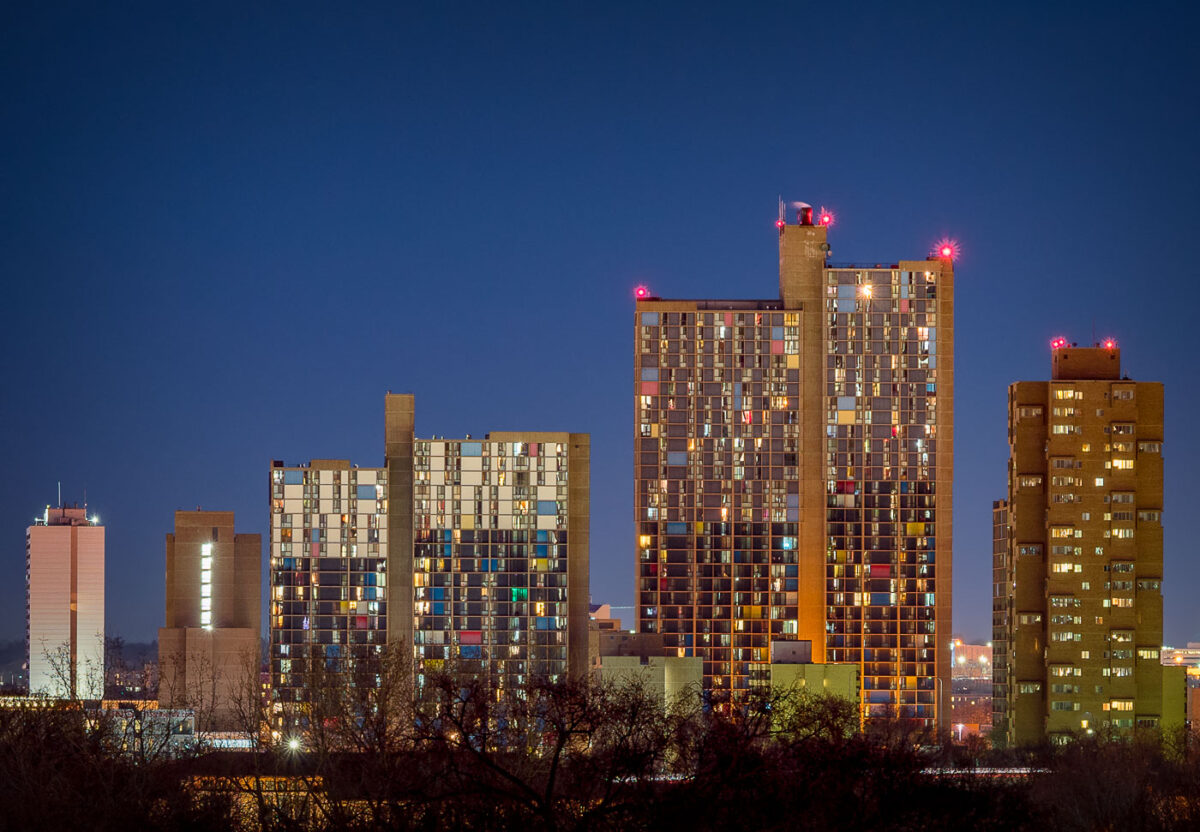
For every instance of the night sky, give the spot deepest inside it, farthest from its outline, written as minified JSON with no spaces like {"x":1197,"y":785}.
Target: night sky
{"x":227,"y":231}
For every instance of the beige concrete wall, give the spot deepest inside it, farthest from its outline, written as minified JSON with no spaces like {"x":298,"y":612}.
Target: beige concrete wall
{"x":211,"y":669}
{"x":579,"y":473}
{"x":215,"y":672}
{"x":236,"y":573}
{"x":1075,"y":447}
{"x":802,"y":287}
{"x":399,"y":421}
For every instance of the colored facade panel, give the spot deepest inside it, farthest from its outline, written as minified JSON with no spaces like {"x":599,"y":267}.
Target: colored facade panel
{"x":885,"y":482}
{"x":329,"y":576}
{"x":499,"y":538}
{"x":716,"y":463}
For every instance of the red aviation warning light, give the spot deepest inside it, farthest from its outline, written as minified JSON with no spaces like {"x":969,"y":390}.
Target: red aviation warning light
{"x":779,"y":223}
{"x":641,"y":293}
{"x":1058,"y":343}
{"x":825,"y":218}
{"x":946,"y":248}
{"x":1110,"y":343}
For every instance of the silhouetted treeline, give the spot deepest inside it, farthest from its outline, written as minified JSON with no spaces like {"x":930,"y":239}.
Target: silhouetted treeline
{"x":577,"y":756}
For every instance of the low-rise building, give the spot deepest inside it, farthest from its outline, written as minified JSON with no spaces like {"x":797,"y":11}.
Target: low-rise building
{"x":626,"y":657}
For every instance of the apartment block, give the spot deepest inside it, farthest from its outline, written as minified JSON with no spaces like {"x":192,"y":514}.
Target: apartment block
{"x":329,"y":572}
{"x":464,"y":554}
{"x":64,"y":604}
{"x":793,"y":473}
{"x":1084,"y":542}
{"x":208,"y":649}
{"x":500,"y":555}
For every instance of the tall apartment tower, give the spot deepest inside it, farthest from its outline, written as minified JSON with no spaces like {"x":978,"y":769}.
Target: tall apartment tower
{"x":793,"y":473}
{"x":64,"y":604}
{"x":500,"y":556}
{"x":208,"y":648}
{"x":491,"y":538}
{"x":329,"y":571}
{"x":464,"y":553}
{"x":1085,"y":490}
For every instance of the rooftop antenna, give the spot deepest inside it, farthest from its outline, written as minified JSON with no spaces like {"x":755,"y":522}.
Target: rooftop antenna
{"x":60,"y":493}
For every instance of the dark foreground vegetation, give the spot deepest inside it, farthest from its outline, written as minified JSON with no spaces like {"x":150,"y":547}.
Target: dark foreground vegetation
{"x":580,"y":757}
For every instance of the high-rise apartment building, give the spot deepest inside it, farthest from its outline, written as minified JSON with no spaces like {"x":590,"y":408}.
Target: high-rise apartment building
{"x":329,"y":570}
{"x":500,"y":556}
{"x":793,"y":473}
{"x":465,"y":553}
{"x":208,"y":649}
{"x":1001,"y":614}
{"x":64,"y":594}
{"x":1084,"y":538}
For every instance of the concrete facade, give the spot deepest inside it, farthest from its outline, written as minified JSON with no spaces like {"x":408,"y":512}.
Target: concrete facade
{"x":501,"y":529}
{"x":330,"y":551}
{"x":793,"y":474}
{"x":468,"y":551}
{"x":208,"y":650}
{"x":1083,"y":589}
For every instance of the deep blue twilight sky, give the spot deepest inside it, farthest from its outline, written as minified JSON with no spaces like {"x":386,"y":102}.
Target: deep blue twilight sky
{"x":227,"y":229}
